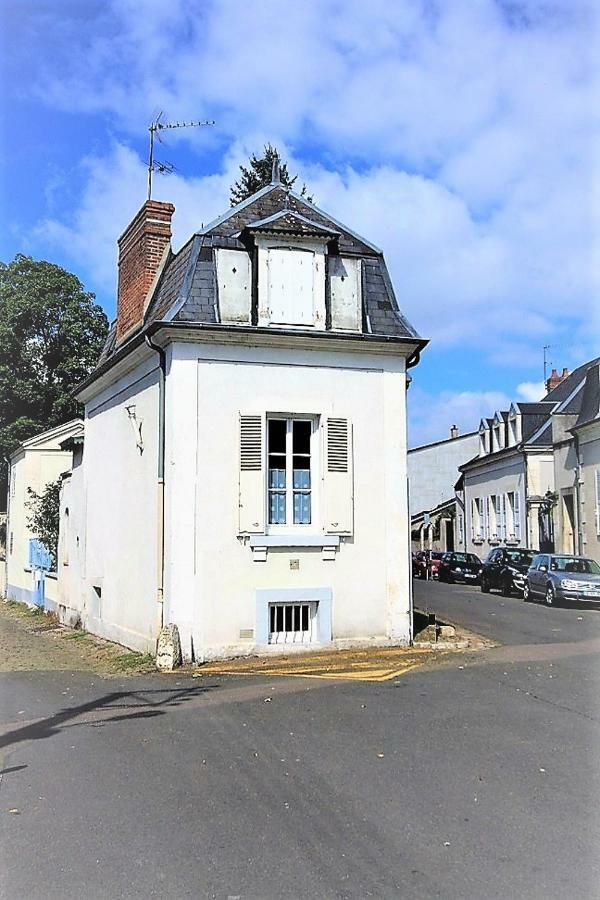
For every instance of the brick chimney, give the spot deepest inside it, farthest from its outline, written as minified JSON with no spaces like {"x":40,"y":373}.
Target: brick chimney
{"x":454,"y":432}
{"x":555,"y":379}
{"x":143,"y":247}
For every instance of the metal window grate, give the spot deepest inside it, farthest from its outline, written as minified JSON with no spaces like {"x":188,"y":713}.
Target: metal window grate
{"x":291,"y":623}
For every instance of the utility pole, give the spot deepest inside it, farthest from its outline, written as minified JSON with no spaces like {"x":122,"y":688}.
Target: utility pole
{"x":155,"y":128}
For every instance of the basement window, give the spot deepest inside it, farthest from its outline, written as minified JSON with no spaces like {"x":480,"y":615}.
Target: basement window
{"x":292,"y":623}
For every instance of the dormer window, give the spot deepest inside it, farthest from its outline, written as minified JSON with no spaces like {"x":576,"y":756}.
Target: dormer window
{"x":514,"y":427}
{"x":291,"y":283}
{"x":483,"y":438}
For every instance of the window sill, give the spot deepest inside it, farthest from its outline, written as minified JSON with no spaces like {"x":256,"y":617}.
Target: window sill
{"x":260,"y":543}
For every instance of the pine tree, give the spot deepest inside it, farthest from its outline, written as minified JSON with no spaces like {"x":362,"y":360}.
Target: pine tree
{"x":258,"y":174}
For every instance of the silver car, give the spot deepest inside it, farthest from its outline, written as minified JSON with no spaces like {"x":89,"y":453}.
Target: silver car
{"x":559,"y":576}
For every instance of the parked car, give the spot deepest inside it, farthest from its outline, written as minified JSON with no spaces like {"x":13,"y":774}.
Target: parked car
{"x":424,"y":560}
{"x":435,"y":558}
{"x":460,"y":567}
{"x":506,"y":569}
{"x":558,"y":576}
{"x":419,"y":564}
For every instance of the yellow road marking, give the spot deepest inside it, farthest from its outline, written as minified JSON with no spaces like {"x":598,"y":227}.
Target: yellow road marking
{"x":365,"y":674}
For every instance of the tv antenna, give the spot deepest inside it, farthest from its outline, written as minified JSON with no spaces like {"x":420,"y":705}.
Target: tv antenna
{"x":546,"y":348}
{"x":155,"y":128}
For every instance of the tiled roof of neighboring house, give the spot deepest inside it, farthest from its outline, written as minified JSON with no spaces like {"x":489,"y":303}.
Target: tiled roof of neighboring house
{"x":590,"y":399}
{"x":187,"y":288}
{"x":542,"y":406}
{"x":563,"y":390}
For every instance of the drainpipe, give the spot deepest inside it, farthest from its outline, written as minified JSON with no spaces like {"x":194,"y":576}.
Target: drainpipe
{"x":7,"y":538}
{"x":160,"y":485}
{"x":577,"y":524}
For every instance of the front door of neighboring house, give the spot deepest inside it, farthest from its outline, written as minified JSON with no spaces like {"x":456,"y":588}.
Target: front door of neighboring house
{"x":568,"y":524}
{"x":449,"y":534}
{"x":546,"y":530}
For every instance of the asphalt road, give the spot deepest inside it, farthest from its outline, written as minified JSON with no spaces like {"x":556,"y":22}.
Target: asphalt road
{"x":478,"y":778}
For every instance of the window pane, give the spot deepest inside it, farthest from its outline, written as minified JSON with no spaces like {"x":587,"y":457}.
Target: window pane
{"x":277,"y":430}
{"x":276,"y":508}
{"x":276,"y":478}
{"x":301,"y":509}
{"x":301,"y":477}
{"x":301,"y":437}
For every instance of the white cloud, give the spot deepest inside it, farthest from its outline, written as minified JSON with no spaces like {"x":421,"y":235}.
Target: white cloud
{"x":531,"y":391}
{"x":432,"y":415}
{"x":457,"y":136}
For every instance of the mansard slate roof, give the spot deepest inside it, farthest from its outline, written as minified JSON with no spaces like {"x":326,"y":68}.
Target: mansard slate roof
{"x":590,"y":397}
{"x":187,"y":288}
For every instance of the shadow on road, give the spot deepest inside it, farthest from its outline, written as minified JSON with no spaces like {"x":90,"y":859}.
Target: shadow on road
{"x":143,"y":705}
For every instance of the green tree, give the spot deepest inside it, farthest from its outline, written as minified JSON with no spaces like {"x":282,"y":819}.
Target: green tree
{"x":258,"y":174}
{"x":51,"y":335}
{"x":43,"y":517}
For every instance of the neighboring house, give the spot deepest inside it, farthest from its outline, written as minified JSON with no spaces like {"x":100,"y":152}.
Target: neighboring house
{"x":33,"y":465}
{"x":244,"y":466}
{"x":576,"y":439}
{"x":432,"y":473}
{"x":506,"y":494}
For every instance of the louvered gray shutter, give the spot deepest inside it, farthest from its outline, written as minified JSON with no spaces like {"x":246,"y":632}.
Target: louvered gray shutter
{"x":338,"y":499}
{"x":252,"y":488}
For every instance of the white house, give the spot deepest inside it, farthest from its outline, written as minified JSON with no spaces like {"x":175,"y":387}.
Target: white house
{"x":432,"y":474}
{"x":507,"y":492}
{"x":244,"y":467}
{"x":34,"y":464}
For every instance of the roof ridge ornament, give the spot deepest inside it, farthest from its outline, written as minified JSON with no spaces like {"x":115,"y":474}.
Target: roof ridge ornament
{"x":275,"y":175}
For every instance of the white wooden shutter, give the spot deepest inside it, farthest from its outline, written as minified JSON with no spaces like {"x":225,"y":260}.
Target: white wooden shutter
{"x":485,"y":532}
{"x":252,"y":485}
{"x":502,"y":516}
{"x":338,"y":499}
{"x":597,"y":480}
{"x":517,"y":515}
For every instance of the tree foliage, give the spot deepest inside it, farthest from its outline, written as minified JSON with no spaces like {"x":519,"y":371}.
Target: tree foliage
{"x":51,"y":335}
{"x":43,"y":516}
{"x":258,"y":174}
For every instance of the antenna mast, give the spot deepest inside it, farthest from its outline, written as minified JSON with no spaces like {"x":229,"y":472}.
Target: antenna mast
{"x":546,"y":348}
{"x":155,"y":128}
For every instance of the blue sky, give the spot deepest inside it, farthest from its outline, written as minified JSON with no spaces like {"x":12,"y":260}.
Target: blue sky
{"x":459,"y":136}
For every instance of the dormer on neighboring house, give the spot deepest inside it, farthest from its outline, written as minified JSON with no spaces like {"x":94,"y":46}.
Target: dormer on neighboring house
{"x":499,"y":431}
{"x":484,"y":437}
{"x":514,"y":425}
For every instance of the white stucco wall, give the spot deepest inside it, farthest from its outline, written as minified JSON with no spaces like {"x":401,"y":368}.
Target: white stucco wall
{"x":433,"y":470}
{"x":589,"y":453}
{"x":530,"y":475}
{"x":37,"y":464}
{"x":118,"y":593}
{"x":211,"y":575}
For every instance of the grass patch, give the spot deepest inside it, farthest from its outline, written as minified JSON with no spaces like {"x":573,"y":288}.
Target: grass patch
{"x":77,"y":636}
{"x":34,"y":613}
{"x":127,"y":661}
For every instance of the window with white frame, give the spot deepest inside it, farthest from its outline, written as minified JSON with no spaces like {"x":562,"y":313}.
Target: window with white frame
{"x":461,"y":529}
{"x":485,"y":531}
{"x":289,"y":471}
{"x":282,"y":459}
{"x":517,"y":515}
